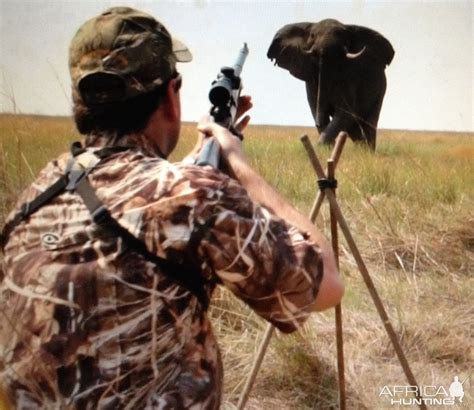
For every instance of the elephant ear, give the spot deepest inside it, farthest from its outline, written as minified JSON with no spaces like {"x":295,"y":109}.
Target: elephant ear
{"x":289,"y":49}
{"x":377,"y":47}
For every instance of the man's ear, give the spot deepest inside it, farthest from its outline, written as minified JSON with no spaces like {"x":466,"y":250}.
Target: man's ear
{"x":171,"y":102}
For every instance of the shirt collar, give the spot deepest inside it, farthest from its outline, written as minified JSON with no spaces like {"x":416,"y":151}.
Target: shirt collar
{"x":138,"y":141}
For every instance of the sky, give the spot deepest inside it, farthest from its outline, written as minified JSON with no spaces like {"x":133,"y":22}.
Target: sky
{"x":430,"y":80}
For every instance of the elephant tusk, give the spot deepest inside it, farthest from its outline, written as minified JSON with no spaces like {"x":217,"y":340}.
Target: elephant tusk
{"x":352,"y":56}
{"x":310,"y":50}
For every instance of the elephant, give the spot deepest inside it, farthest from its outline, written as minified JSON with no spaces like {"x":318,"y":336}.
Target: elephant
{"x":343,"y":67}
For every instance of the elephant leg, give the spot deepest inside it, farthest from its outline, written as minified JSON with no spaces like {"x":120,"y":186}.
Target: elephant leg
{"x":363,"y":133}
{"x":370,"y":133}
{"x":364,"y":129}
{"x":370,"y":127}
{"x":340,"y":122}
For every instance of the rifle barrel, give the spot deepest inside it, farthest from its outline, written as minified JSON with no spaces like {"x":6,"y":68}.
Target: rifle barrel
{"x":239,"y":63}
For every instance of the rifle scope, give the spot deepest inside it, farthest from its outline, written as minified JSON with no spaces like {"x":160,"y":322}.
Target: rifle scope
{"x":228,"y":80}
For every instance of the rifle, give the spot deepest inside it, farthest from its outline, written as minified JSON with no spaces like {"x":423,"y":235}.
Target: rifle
{"x":224,"y":97}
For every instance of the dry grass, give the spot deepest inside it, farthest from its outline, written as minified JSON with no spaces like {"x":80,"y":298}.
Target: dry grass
{"x":409,"y":207}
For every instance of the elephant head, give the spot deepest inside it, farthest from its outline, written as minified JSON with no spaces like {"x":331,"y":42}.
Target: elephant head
{"x":343,"y":67}
{"x":298,"y":47}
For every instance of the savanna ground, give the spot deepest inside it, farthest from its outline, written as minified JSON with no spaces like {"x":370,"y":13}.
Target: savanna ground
{"x":410,"y":209}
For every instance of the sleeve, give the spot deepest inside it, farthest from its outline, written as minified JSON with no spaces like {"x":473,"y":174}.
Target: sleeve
{"x":269,"y":264}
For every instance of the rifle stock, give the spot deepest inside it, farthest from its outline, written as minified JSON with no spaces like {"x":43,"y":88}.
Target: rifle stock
{"x":209,"y":154}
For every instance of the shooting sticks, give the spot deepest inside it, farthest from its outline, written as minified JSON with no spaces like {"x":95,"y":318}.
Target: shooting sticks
{"x":327,"y":185}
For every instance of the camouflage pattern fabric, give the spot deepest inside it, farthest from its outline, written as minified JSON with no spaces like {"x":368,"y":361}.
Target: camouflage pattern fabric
{"x":87,"y":324}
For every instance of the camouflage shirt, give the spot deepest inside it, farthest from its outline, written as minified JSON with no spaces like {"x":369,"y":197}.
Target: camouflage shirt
{"x":86,"y":323}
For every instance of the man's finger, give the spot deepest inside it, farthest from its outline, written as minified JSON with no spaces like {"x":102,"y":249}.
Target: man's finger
{"x":244,"y":104}
{"x":243,"y":123}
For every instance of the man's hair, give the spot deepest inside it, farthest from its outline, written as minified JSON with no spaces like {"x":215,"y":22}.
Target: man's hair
{"x":118,"y":118}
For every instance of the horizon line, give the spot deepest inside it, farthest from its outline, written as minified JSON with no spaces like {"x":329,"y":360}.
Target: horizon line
{"x":255,"y":124}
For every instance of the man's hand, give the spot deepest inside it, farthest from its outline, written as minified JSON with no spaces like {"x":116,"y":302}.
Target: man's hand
{"x":229,"y":144}
{"x":245,"y":104}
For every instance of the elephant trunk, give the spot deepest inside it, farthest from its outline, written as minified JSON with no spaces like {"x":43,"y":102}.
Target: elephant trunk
{"x":319,"y":114}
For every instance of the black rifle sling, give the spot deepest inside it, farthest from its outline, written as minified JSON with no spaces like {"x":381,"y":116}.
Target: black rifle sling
{"x":188,"y":275}
{"x":51,"y":192}
{"x":29,"y":208}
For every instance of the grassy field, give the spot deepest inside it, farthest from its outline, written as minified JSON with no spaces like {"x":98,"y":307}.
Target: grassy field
{"x":410,"y":209}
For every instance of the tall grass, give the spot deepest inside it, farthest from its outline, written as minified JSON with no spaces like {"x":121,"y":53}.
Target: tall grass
{"x":409,"y":206}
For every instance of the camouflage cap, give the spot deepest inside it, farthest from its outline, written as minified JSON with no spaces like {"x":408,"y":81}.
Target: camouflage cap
{"x":122,"y":53}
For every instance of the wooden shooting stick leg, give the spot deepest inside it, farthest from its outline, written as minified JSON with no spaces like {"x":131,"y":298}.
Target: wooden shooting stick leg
{"x":335,"y":155}
{"x":256,"y":367}
{"x":363,"y":270}
{"x":331,"y":170}
{"x":335,"y":247}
